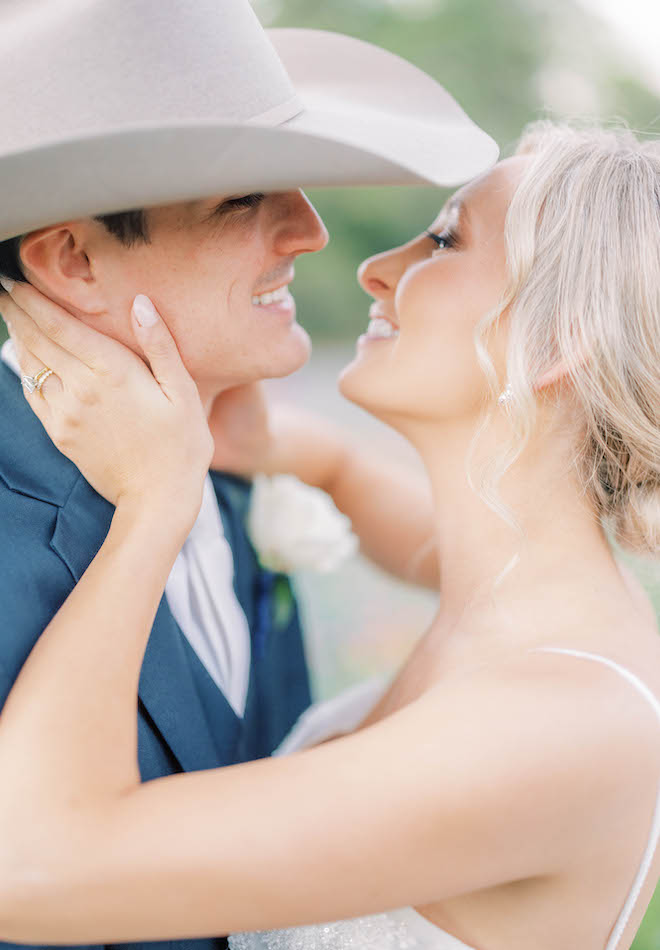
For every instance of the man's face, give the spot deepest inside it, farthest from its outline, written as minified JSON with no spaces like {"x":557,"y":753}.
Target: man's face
{"x":205,"y":264}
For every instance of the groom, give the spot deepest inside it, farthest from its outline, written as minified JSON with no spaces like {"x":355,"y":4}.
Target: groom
{"x":154,"y":106}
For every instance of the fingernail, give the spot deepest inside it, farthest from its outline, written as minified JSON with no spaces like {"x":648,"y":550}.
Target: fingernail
{"x":7,"y":283}
{"x":144,"y":311}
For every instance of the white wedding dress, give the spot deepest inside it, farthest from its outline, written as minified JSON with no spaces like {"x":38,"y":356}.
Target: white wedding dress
{"x":405,"y":928}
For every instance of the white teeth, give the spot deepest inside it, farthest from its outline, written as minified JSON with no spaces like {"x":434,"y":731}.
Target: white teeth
{"x":272,"y":296}
{"x":379,"y":327}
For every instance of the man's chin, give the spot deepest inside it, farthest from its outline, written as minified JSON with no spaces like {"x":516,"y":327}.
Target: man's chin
{"x":290,"y":356}
{"x":281,"y":359}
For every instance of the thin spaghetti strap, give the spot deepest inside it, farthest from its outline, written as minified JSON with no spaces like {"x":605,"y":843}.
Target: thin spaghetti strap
{"x":647,"y":858}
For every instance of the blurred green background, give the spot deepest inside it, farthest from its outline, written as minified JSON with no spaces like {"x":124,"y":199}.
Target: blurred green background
{"x":506,"y":62}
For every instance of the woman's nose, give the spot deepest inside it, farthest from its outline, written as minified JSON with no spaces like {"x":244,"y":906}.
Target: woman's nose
{"x":379,"y":275}
{"x":300,"y":228}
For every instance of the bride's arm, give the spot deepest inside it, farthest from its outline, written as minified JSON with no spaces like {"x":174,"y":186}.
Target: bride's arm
{"x":389,"y":503}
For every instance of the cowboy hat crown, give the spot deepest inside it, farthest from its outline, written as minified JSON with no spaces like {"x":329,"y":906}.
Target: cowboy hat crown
{"x":119,"y":104}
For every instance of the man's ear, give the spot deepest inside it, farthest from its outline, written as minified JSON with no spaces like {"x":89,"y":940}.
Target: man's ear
{"x":55,"y":261}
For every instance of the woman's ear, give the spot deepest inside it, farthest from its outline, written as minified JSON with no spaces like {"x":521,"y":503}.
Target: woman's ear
{"x":552,"y":376}
{"x":55,"y":261}
{"x":558,"y":372}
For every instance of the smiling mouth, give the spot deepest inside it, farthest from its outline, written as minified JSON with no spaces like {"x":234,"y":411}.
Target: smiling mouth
{"x":381,"y":328}
{"x":272,"y":296}
{"x":380,"y":325}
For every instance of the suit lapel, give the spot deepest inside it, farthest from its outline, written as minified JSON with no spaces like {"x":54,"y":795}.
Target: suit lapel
{"x":231,"y":502}
{"x":166,"y":685}
{"x":31,"y":464}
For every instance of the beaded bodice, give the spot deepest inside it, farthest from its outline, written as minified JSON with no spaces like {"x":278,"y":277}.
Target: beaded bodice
{"x":402,"y":929}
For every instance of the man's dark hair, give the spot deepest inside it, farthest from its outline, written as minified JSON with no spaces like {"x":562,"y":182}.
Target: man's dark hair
{"x":129,"y":227}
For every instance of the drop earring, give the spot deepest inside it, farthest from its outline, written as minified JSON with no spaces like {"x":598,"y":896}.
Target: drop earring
{"x":505,"y":395}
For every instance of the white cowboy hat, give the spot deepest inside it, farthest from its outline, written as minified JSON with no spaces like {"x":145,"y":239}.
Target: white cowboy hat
{"x":110,"y":105}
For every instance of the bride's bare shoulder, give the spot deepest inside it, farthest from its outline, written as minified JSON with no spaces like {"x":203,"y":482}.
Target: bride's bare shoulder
{"x":550,"y":711}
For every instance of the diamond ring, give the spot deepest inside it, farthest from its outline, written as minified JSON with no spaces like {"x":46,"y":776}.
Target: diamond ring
{"x":36,"y":382}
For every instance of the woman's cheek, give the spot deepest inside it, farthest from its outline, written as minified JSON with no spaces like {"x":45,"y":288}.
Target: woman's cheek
{"x":437,"y":333}
{"x":429,"y":312}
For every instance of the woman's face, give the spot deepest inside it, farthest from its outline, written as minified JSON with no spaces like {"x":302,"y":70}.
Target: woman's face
{"x":433,"y":295}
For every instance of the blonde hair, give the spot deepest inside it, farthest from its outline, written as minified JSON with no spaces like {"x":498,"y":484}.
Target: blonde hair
{"x":582,"y":239}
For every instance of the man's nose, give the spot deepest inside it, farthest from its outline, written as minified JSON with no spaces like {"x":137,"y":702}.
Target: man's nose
{"x":299,"y":229}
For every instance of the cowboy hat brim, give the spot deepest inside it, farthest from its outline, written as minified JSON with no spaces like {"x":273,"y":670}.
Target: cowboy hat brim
{"x":367,"y":117}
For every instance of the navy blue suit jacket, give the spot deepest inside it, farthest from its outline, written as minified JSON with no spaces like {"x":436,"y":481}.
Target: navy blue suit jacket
{"x":52,"y":523}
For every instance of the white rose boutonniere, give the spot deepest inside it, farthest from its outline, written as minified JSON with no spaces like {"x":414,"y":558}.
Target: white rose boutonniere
{"x":294,"y":527}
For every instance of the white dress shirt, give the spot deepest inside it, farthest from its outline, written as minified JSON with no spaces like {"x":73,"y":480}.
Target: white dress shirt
{"x":200,"y":593}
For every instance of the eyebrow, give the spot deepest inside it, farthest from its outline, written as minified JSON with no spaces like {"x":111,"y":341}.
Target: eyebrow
{"x":458,"y":206}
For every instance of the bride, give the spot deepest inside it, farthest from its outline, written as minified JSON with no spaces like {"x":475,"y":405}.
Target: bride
{"x":503,"y":793}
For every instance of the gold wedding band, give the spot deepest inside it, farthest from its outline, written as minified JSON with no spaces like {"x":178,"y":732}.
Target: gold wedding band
{"x":40,"y":378}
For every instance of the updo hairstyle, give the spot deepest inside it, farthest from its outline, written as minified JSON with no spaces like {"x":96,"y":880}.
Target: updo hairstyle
{"x":582,"y":239}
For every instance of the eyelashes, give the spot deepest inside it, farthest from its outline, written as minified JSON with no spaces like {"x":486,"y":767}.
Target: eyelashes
{"x":245,"y":201}
{"x":252,"y":200}
{"x":443,"y":240}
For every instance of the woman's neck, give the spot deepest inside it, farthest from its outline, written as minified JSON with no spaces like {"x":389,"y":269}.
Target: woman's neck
{"x":541,"y":491}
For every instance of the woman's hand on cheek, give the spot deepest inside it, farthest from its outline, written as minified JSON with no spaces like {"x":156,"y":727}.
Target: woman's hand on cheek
{"x":134,"y":433}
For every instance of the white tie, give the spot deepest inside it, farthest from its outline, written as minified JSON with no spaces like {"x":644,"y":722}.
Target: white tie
{"x":201,"y":596}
